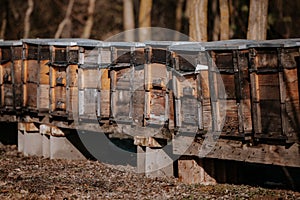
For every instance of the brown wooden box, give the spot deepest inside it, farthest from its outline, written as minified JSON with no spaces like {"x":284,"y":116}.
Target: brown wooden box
{"x":192,"y":106}
{"x":94,"y":81}
{"x":231,"y":87}
{"x":35,"y":75}
{"x":10,"y":76}
{"x":63,"y":80}
{"x":275,"y":91}
{"x":127,"y":83}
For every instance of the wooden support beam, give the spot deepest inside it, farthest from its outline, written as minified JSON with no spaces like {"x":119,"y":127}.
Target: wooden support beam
{"x":237,"y":151}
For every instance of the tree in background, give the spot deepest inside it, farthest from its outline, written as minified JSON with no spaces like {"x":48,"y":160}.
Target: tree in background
{"x":128,"y":19}
{"x":219,"y":20}
{"x":257,"y":22}
{"x":198,"y":19}
{"x":145,"y":19}
{"x":106,"y":18}
{"x":27,"y":18}
{"x":224,"y":20}
{"x":90,"y":20}
{"x":65,"y":27}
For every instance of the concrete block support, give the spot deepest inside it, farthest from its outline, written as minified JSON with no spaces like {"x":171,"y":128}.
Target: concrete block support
{"x":62,"y":148}
{"x":158,"y":163}
{"x":46,"y":146}
{"x":33,"y":144}
{"x":141,"y":159}
{"x":154,"y":162}
{"x":20,"y":141}
{"x":192,"y":171}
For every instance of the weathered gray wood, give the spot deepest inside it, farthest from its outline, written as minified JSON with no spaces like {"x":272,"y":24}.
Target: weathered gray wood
{"x":236,"y":150}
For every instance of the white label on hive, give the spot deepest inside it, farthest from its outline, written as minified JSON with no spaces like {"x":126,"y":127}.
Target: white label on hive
{"x":201,"y":67}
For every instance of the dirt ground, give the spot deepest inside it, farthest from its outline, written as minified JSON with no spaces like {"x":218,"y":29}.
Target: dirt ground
{"x":38,"y":178}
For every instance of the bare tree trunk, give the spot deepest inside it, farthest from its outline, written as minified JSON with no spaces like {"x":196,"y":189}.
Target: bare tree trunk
{"x":128,"y":19}
{"x":216,"y":28}
{"x":13,"y":9}
{"x":145,"y":19}
{"x":66,"y":22}
{"x":188,"y":5}
{"x":27,"y":18}
{"x":257,"y":23}
{"x":198,"y":20}
{"x":232,"y":14}
{"x":179,"y":13}
{"x":224,"y":24}
{"x":3,"y":25}
{"x":90,"y":21}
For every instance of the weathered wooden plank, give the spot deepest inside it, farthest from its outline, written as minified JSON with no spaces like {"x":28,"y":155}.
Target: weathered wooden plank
{"x":7,"y":96}
{"x":87,"y":103}
{"x":17,"y":71}
{"x":43,"y":97}
{"x":72,"y":75}
{"x":72,"y":102}
{"x":103,"y":104}
{"x":58,"y":76}
{"x":89,"y":78}
{"x":31,"y":70}
{"x":105,"y":56}
{"x":105,"y":79}
{"x":6,"y":72}
{"x":103,"y":98}
{"x":231,"y":124}
{"x":266,"y":59}
{"x":44,"y":72}
{"x":262,"y":153}
{"x":18,"y":96}
{"x":158,"y":76}
{"x":58,"y":99}
{"x":256,"y":113}
{"x":229,"y":85}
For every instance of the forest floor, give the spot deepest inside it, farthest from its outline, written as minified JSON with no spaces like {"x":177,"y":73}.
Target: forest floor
{"x":39,"y":178}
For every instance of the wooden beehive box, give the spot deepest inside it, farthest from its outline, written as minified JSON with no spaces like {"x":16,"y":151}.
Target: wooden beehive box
{"x":274,"y":77}
{"x":127,"y":83}
{"x":93,"y":81}
{"x":35,"y":75}
{"x":159,"y":96}
{"x":190,"y":88}
{"x":158,"y":110}
{"x":230,"y":87}
{"x":63,"y":78}
{"x":10,"y":75}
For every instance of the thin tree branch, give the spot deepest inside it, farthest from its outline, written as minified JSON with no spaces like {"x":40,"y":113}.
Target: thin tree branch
{"x":66,"y":20}
{"x":13,"y":9}
{"x":90,"y":21}
{"x":3,"y":25}
{"x":27,"y":18}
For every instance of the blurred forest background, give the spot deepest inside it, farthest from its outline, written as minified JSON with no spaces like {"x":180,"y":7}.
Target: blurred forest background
{"x":99,"y":19}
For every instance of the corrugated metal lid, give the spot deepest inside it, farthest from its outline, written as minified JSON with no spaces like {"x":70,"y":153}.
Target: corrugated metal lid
{"x":165,"y":44}
{"x":214,"y":45}
{"x":62,"y":41}
{"x":127,"y":44}
{"x":10,"y":43}
{"x":278,"y":43}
